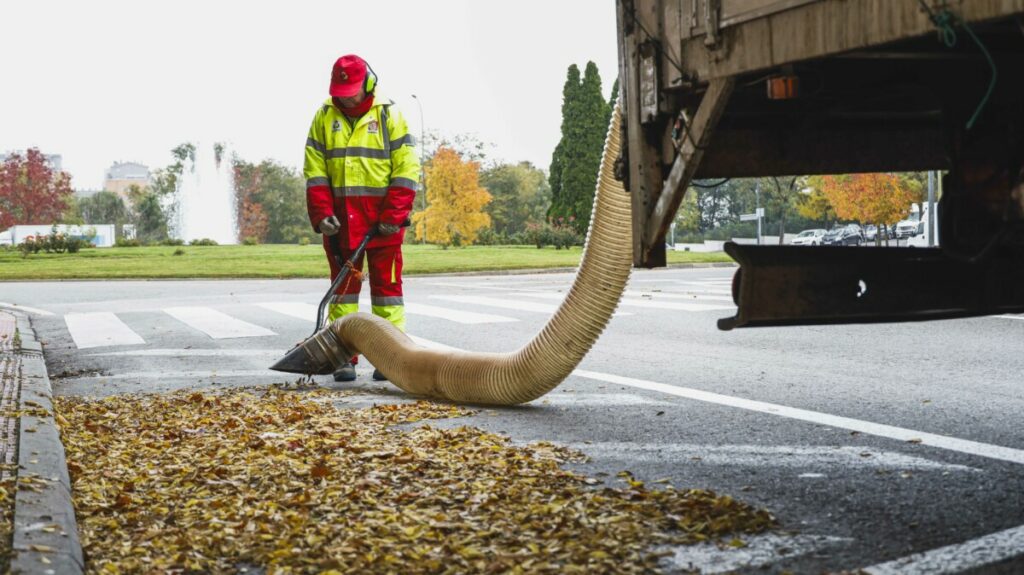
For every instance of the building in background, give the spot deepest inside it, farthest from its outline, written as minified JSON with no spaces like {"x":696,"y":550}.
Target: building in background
{"x":56,"y":161}
{"x":123,"y":175}
{"x":101,"y":235}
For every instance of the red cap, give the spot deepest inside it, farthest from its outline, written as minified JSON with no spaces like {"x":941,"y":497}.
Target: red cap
{"x":347,"y":76}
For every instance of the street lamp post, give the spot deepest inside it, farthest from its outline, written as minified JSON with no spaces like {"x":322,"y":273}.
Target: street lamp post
{"x":423,"y":175}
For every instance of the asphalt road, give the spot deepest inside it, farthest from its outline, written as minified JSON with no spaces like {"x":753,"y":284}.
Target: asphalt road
{"x":894,"y":448}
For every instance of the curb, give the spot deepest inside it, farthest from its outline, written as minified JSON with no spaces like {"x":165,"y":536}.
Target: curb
{"x":45,"y":532}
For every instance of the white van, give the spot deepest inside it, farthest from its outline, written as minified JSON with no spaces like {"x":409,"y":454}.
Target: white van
{"x":920,"y":237}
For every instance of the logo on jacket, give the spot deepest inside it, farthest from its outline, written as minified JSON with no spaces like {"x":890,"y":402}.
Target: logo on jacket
{"x":372,"y":127}
{"x":336,"y":126}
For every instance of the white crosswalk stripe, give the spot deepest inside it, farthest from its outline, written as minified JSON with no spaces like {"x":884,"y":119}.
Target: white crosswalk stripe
{"x":216,"y":324}
{"x":295,"y":309}
{"x":519,"y":305}
{"x":634,"y":302}
{"x":100,"y":329}
{"x":688,"y":295}
{"x":308,"y":312}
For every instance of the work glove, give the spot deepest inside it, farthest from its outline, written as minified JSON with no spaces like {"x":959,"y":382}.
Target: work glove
{"x":387,"y":229}
{"x":329,"y":226}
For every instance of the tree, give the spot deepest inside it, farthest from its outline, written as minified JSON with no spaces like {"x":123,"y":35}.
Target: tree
{"x":877,"y":198}
{"x":781,"y":197}
{"x":31,"y":192}
{"x":519,"y":196}
{"x":814,"y":204}
{"x":271,"y":202}
{"x":585,"y":115}
{"x":468,"y":146}
{"x":148,"y":214}
{"x":103,"y":208}
{"x":456,"y":201}
{"x":569,"y":98}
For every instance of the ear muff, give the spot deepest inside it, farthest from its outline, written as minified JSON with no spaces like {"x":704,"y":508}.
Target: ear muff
{"x":370,"y":81}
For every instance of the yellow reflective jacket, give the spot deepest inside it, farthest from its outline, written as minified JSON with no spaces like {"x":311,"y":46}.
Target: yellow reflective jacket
{"x":363,"y":171}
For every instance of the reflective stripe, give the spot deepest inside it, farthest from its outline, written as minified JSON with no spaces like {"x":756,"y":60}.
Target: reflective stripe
{"x":336,"y":310}
{"x":345,"y":298}
{"x":403,"y":183}
{"x":386,"y":300}
{"x":406,"y":140}
{"x":319,"y":181}
{"x":357,"y":191}
{"x":316,"y":145}
{"x":393,"y":313}
{"x":355,"y":152}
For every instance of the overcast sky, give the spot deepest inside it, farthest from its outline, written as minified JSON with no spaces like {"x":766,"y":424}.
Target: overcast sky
{"x":102,"y":81}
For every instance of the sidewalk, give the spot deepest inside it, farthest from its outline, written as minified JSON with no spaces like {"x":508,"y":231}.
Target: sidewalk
{"x":45,"y":536}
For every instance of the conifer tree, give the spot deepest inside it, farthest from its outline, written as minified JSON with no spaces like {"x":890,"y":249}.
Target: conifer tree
{"x":574,"y":168}
{"x":569,"y":96}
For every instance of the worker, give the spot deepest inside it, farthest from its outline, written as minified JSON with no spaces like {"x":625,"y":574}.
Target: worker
{"x":361,"y":172}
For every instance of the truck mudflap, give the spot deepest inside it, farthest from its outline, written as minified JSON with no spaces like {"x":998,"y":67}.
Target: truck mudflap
{"x":795,"y":285}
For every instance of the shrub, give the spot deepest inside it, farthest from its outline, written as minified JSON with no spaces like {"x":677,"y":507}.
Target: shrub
{"x":29,"y":246}
{"x":75,"y":244}
{"x":558,"y":235}
{"x":179,"y":252}
{"x":303,"y":241}
{"x":127,"y":243}
{"x":250,"y":241}
{"x":489,"y":237}
{"x":173,"y":242}
{"x":203,"y":242}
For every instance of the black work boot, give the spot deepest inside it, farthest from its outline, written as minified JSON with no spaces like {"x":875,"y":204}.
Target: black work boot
{"x":378,"y":376}
{"x":346,"y":372}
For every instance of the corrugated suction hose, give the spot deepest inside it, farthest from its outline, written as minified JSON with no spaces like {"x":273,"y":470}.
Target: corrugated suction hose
{"x":500,"y":378}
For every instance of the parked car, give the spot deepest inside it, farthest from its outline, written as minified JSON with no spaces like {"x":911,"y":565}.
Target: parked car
{"x":871,"y":232}
{"x":849,"y":235}
{"x":831,"y":236}
{"x":808,"y":238}
{"x":906,"y":228}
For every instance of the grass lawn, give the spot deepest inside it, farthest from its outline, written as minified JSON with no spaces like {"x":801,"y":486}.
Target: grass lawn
{"x":280,"y":261}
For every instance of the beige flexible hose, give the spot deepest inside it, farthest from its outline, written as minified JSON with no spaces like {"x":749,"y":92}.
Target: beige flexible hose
{"x":500,"y":378}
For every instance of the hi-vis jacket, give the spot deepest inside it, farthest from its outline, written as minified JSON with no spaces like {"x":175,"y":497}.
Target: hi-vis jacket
{"x":363,"y":171}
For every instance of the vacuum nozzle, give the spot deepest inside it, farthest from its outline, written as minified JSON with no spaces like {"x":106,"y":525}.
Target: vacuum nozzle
{"x":314,"y":356}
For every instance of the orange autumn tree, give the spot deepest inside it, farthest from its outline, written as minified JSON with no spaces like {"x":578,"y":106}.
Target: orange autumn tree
{"x":880,"y":199}
{"x":455,"y":199}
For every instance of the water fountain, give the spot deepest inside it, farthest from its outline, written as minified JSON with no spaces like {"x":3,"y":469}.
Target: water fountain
{"x":204,"y":202}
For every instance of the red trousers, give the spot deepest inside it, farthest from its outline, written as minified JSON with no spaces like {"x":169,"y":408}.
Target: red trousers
{"x":385,"y":271}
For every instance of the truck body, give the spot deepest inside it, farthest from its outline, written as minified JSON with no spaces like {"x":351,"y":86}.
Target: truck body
{"x":750,"y":88}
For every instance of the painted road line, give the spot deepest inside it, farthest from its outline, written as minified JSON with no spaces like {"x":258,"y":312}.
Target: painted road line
{"x":759,"y":551}
{"x":308,"y":312}
{"x":24,"y":308}
{"x":530,"y":306}
{"x":787,"y":456}
{"x":220,"y":352}
{"x":632,"y":302}
{"x":519,"y":305}
{"x":215,"y":324}
{"x":877,"y":429}
{"x":678,"y":295}
{"x":429,"y":344}
{"x":956,"y":558}
{"x":556,"y":398}
{"x":100,"y":329}
{"x":458,"y":316}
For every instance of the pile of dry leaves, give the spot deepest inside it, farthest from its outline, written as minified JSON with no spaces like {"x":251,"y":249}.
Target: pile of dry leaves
{"x":289,"y":482}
